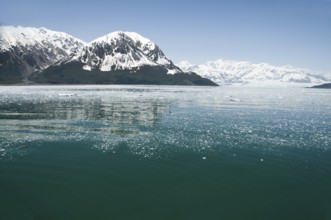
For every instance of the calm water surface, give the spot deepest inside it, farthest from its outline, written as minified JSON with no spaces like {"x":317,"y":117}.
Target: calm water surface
{"x":157,"y":152}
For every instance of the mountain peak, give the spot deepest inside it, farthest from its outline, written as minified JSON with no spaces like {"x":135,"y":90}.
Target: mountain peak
{"x":123,"y":50}
{"x":124,"y":37}
{"x":116,"y":35}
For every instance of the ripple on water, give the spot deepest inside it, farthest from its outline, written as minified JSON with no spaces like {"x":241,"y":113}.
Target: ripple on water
{"x":152,"y":122}
{"x":110,"y":149}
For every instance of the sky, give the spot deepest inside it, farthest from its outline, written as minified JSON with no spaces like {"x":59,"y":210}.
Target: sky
{"x":278,"y":32}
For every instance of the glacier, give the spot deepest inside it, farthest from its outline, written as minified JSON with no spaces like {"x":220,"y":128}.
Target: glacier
{"x":228,"y":71}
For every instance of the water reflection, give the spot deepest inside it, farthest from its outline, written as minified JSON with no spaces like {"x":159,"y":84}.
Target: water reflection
{"x":136,"y":112}
{"x":77,"y":115}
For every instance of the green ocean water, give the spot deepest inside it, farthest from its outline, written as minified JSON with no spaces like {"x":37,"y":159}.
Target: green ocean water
{"x":158,"y":152}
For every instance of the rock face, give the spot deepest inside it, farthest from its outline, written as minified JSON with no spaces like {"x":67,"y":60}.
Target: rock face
{"x":38,"y":55}
{"x":223,"y":71}
{"x":25,"y":50}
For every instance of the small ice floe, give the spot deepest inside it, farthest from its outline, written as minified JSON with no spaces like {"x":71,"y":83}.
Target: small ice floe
{"x":1,"y":149}
{"x":204,"y":158}
{"x":67,"y":94}
{"x":234,"y":100}
{"x":261,"y":159}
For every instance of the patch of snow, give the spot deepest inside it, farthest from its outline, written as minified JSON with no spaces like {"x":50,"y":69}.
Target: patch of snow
{"x":87,"y":67}
{"x":172,"y":71}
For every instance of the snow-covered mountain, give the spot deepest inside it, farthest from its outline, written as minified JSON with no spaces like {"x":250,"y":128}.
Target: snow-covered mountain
{"x":123,"y":51}
{"x":117,"y":58}
{"x":224,"y":71}
{"x":39,"y":55}
{"x":24,"y":50}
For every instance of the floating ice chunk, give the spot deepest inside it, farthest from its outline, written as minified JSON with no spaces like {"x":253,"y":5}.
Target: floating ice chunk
{"x":67,"y":94}
{"x":234,"y":100}
{"x":204,"y":158}
{"x":261,"y":159}
{"x":1,"y":149}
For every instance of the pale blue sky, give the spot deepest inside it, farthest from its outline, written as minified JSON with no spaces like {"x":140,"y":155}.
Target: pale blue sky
{"x":293,"y":32}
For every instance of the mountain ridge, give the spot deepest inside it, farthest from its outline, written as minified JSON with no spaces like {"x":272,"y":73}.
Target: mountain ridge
{"x":38,"y":55}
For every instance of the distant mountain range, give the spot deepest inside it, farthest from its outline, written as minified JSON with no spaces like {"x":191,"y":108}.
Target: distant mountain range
{"x":224,"y":71}
{"x":39,"y":55}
